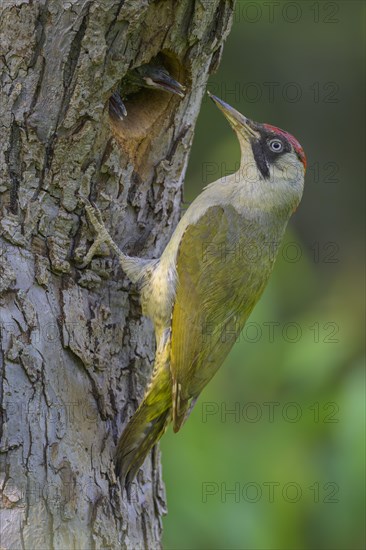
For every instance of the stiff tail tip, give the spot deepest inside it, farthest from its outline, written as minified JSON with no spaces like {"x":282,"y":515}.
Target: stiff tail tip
{"x":138,"y":438}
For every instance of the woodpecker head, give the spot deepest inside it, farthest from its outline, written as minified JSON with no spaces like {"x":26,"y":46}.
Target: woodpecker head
{"x":145,"y":76}
{"x":269,"y":154}
{"x":157,"y":77}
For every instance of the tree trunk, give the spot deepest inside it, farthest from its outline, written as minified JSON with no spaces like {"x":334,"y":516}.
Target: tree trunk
{"x":75,"y":352}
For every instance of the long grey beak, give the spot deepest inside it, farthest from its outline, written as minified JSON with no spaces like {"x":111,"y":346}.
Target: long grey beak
{"x":236,"y":119}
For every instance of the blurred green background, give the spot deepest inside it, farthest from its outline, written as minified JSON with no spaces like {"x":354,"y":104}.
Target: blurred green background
{"x":285,"y":470}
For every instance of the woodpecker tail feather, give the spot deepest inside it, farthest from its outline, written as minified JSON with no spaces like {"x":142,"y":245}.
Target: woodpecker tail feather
{"x":142,"y":432}
{"x":149,"y":422}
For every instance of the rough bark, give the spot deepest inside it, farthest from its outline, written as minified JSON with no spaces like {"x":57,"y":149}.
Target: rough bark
{"x":75,"y":352}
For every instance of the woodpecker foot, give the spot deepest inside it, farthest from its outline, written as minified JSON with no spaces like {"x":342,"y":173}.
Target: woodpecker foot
{"x":117,"y":108}
{"x":103,"y":237}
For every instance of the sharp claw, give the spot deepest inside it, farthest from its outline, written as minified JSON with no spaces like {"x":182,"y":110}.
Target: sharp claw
{"x":117,"y":108}
{"x":102,"y":236}
{"x":94,"y":216}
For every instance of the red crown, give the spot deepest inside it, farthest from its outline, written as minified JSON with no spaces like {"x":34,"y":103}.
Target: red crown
{"x":296,"y":145}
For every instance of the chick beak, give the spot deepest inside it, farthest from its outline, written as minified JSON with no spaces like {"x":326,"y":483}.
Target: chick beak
{"x":239,"y":122}
{"x":163,"y":81}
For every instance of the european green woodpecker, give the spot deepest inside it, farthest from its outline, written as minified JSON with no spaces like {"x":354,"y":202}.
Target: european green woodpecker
{"x":202,"y":289}
{"x":145,"y":76}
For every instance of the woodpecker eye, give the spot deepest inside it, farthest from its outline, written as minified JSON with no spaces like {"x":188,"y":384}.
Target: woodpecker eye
{"x":275,"y":145}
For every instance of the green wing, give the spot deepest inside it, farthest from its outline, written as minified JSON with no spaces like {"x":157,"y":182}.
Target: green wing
{"x":211,"y":303}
